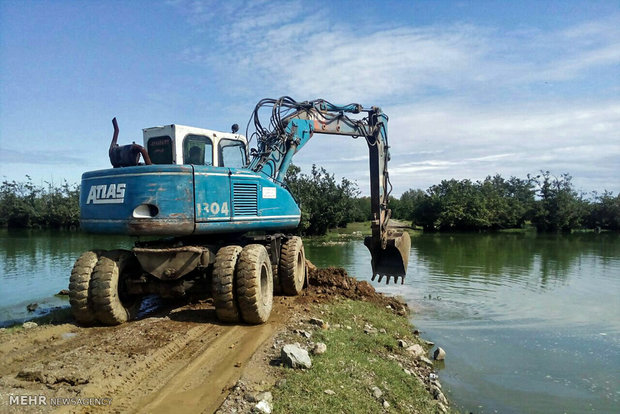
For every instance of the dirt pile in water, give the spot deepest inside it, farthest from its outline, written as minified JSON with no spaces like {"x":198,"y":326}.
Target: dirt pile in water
{"x":326,"y":283}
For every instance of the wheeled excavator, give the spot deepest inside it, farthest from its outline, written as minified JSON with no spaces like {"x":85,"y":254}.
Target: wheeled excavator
{"x":214,"y":216}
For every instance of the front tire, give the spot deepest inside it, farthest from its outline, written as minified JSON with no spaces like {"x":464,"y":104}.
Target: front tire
{"x":255,"y":284}
{"x":223,"y":284}
{"x":79,"y":283}
{"x":111,"y":305}
{"x":292,"y":266}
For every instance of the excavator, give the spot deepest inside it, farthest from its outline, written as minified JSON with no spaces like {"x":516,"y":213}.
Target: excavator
{"x":213,"y":216}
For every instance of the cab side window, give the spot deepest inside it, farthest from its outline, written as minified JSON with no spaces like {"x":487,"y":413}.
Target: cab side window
{"x":197,"y":150}
{"x":232,"y":153}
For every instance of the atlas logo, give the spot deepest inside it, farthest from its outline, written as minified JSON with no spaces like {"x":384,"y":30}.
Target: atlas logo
{"x":106,"y":194}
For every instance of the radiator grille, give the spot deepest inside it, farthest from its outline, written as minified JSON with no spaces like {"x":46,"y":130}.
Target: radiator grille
{"x":245,"y":199}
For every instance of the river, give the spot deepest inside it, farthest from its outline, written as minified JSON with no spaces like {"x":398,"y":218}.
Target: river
{"x":530,"y":323}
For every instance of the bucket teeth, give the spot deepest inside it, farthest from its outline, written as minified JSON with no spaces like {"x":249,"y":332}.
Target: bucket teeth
{"x":393,"y":260}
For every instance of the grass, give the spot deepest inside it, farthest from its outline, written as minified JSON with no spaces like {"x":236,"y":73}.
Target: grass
{"x":353,"y":364}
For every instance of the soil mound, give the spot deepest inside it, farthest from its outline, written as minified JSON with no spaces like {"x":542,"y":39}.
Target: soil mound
{"x":328,"y":282}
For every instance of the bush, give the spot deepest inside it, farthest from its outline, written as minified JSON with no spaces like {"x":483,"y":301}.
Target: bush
{"x":23,"y":204}
{"x":324,"y":203}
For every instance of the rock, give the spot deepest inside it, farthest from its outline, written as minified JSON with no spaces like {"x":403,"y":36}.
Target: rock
{"x":63,"y":292}
{"x":330,"y":392}
{"x":438,"y":394}
{"x":442,"y":408}
{"x":369,"y":329}
{"x":407,"y":371}
{"x":319,"y":322}
{"x":264,"y":396}
{"x":416,"y":350}
{"x":249,"y":397}
{"x":416,"y":332}
{"x":402,"y":344}
{"x":281,"y":383}
{"x":32,"y":307}
{"x":382,"y":330}
{"x":376,"y":392}
{"x":319,"y":348}
{"x":429,"y":343}
{"x":303,"y":333}
{"x":426,"y":360}
{"x":386,"y":404}
{"x":29,"y":325}
{"x":263,"y":407}
{"x":348,"y":328}
{"x":295,"y":357}
{"x":439,"y":354}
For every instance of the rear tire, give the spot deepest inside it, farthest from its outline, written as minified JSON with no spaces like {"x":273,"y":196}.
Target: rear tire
{"x":292,"y":266}
{"x":254,"y":284}
{"x":110,"y":304}
{"x":224,"y":285}
{"x":79,"y":283}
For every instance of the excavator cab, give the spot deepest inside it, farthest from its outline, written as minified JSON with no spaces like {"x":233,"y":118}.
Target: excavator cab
{"x":180,"y":144}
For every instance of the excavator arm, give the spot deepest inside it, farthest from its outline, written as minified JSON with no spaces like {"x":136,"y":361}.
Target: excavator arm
{"x":291,"y":126}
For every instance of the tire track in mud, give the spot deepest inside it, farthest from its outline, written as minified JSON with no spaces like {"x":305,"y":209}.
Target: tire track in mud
{"x":190,"y":374}
{"x":121,"y":388}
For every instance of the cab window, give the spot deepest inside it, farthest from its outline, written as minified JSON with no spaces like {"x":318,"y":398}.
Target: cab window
{"x":232,"y":153}
{"x":160,"y":150}
{"x":197,"y":150}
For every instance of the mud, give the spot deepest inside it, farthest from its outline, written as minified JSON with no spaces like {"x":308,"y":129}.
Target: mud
{"x":325,"y":284}
{"x":176,"y":359}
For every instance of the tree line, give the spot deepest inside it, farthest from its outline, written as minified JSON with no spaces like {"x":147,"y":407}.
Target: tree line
{"x":26,"y":205}
{"x":547,"y":202}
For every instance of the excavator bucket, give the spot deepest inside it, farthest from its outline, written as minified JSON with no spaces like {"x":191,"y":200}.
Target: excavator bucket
{"x":391,"y":261}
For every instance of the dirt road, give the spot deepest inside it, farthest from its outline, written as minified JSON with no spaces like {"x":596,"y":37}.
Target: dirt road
{"x":175,"y":360}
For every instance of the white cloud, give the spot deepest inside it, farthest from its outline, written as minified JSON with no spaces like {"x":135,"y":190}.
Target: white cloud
{"x":464,"y":101}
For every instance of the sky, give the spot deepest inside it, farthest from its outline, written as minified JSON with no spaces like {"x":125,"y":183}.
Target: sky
{"x":472,"y":88}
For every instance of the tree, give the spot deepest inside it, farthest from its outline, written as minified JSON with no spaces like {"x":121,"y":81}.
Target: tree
{"x":324,"y":202}
{"x":559,"y":208}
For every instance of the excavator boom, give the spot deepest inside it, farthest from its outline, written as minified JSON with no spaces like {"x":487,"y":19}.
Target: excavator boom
{"x":293,"y":123}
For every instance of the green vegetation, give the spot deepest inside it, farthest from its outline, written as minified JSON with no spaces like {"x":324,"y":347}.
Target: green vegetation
{"x":546,"y":202}
{"x":353,"y":364}
{"x":324,"y":203}
{"x":549,"y":203}
{"x":23,"y":204}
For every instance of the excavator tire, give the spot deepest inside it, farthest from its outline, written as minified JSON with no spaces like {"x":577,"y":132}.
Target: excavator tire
{"x":110,"y":304}
{"x":292,"y":266}
{"x":79,"y":282}
{"x":254,"y":284}
{"x":223,"y":284}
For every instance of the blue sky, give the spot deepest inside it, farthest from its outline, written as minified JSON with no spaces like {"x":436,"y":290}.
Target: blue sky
{"x":471,"y":88}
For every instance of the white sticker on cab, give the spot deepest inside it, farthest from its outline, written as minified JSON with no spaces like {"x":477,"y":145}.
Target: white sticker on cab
{"x":269,"y":192}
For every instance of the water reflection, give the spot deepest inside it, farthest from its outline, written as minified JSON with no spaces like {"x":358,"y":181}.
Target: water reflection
{"x":487,"y":257}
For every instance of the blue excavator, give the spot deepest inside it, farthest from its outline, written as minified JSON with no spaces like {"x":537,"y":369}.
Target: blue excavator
{"x":213,"y":215}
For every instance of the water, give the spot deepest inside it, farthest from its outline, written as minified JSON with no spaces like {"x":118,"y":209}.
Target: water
{"x":35,"y":265}
{"x":530,"y":324}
